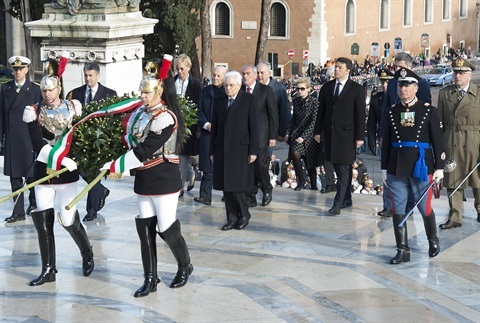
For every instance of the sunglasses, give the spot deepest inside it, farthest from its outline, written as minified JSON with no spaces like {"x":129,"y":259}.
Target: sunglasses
{"x":301,"y":88}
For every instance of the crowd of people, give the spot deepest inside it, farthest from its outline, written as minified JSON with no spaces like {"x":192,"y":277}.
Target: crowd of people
{"x":241,"y":116}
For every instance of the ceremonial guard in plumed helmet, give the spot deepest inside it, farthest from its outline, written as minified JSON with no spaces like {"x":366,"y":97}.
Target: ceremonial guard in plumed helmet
{"x":412,"y":156}
{"x":153,"y":133}
{"x":47,"y":121}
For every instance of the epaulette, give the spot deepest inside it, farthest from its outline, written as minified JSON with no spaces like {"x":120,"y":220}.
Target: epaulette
{"x":36,"y":83}
{"x":426,"y":104}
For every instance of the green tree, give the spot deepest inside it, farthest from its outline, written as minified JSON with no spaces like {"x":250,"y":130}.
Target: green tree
{"x":176,"y":31}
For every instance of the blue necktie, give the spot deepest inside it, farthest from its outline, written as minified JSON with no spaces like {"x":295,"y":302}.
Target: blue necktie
{"x":89,"y":97}
{"x":230,"y":102}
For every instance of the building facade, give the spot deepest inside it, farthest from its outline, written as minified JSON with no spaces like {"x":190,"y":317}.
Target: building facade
{"x":326,"y":29}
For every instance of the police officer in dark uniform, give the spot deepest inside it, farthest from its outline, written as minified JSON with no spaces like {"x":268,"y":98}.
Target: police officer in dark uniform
{"x":412,"y":156}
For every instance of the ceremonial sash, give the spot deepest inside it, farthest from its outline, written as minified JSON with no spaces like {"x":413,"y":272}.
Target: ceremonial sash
{"x":420,"y":171}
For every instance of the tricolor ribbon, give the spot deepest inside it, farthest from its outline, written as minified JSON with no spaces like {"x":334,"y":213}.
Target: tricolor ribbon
{"x":62,"y":147}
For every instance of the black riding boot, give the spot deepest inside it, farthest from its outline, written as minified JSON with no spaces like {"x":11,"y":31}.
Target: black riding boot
{"x":43,"y":222}
{"x":147,"y":232}
{"x":401,"y":238}
{"x":174,"y":239}
{"x":431,"y":231}
{"x":79,"y":235}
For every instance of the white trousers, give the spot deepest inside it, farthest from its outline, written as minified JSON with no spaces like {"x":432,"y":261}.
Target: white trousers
{"x":63,"y":194}
{"x":162,"y":206}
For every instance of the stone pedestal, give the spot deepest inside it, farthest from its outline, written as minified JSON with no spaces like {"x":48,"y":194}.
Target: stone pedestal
{"x":112,"y":37}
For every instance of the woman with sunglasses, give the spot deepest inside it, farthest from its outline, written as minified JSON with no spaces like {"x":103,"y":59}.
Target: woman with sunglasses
{"x":300,"y":134}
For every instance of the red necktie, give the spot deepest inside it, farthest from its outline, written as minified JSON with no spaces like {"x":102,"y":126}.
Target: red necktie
{"x":249,"y":89}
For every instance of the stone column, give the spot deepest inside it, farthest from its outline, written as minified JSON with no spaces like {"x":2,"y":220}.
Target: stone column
{"x":107,"y":34}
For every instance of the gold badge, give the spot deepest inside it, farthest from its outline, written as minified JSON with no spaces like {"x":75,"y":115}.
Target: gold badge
{"x":459,"y":62}
{"x":17,"y":62}
{"x":403,"y":73}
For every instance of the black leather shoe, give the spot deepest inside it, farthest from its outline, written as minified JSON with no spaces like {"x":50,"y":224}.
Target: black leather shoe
{"x":434,"y":247}
{"x":401,"y":256}
{"x":47,"y":276}
{"x":30,"y":209}
{"x":450,"y":224}
{"x":334,"y":210}
{"x":385,"y":213}
{"x":190,"y":187}
{"x":149,"y":286}
{"x":298,"y":188}
{"x":223,"y":198}
{"x":101,"y":203}
{"x":347,"y":204}
{"x":325,"y":190}
{"x":267,"y":198}
{"x":181,"y":277}
{"x":202,"y":200}
{"x":15,"y":217}
{"x":229,"y":226}
{"x":181,"y":193}
{"x":242,"y":223}
{"x":90,"y":217}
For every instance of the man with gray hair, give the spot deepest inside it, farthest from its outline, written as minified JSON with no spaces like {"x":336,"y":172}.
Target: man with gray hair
{"x":91,"y":91}
{"x":281,"y":97}
{"x":234,"y":148}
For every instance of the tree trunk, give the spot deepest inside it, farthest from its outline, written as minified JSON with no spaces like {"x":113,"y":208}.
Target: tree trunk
{"x":206,"y":40}
{"x":263,"y":34}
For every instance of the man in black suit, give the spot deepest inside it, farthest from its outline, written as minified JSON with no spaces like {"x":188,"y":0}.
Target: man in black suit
{"x":18,"y":162}
{"x":268,"y":122}
{"x":91,"y":91}
{"x":205,"y":111}
{"x":341,"y":118}
{"x":233,"y":148}
{"x":281,"y":97}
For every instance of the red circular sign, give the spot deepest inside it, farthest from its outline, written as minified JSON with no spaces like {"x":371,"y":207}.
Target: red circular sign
{"x":305,"y":54}
{"x":290,"y":53}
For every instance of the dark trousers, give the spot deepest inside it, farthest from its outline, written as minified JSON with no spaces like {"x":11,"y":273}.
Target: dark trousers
{"x":236,"y":206}
{"x":329,"y":175}
{"x":262,"y":178}
{"x":206,"y":185}
{"x":94,"y":196}
{"x":344,"y":181}
{"x":16,"y":184}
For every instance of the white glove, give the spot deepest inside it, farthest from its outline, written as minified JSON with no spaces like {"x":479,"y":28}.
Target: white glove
{"x":29,"y":114}
{"x":106,"y":166}
{"x":438,"y":175}
{"x":43,"y":154}
{"x":384,"y":176}
{"x":69,"y":163}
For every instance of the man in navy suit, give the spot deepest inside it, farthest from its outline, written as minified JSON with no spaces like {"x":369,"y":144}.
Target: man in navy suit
{"x":205,"y":111}
{"x":18,"y":163}
{"x":402,"y":60}
{"x":234,"y":147}
{"x":341,"y":119}
{"x":268,"y":122}
{"x":91,"y":91}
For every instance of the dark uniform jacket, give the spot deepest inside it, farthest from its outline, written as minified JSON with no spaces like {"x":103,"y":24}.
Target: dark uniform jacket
{"x":267,"y":113}
{"x":163,"y":178}
{"x":374,"y":118}
{"x":342,"y":121}
{"x":18,"y":147}
{"x":205,"y":109}
{"x":283,"y":106}
{"x":194,"y":87}
{"x":39,"y":136}
{"x":400,"y":161}
{"x":235,"y":135}
{"x":102,"y":93}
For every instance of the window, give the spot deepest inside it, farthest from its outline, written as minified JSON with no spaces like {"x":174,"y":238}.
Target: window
{"x":446,"y":9}
{"x":350,"y":17}
{"x":463,"y":8}
{"x":278,"y":20}
{"x":222,"y":20}
{"x":428,"y":11}
{"x":407,"y":13}
{"x":384,"y":14}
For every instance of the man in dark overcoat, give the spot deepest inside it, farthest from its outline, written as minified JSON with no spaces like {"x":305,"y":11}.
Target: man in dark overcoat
{"x":268,"y":120}
{"x":234,"y":147}
{"x":341,"y":118}
{"x":460,"y":114}
{"x":205,"y":112}
{"x":19,"y":157}
{"x":92,"y":91}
